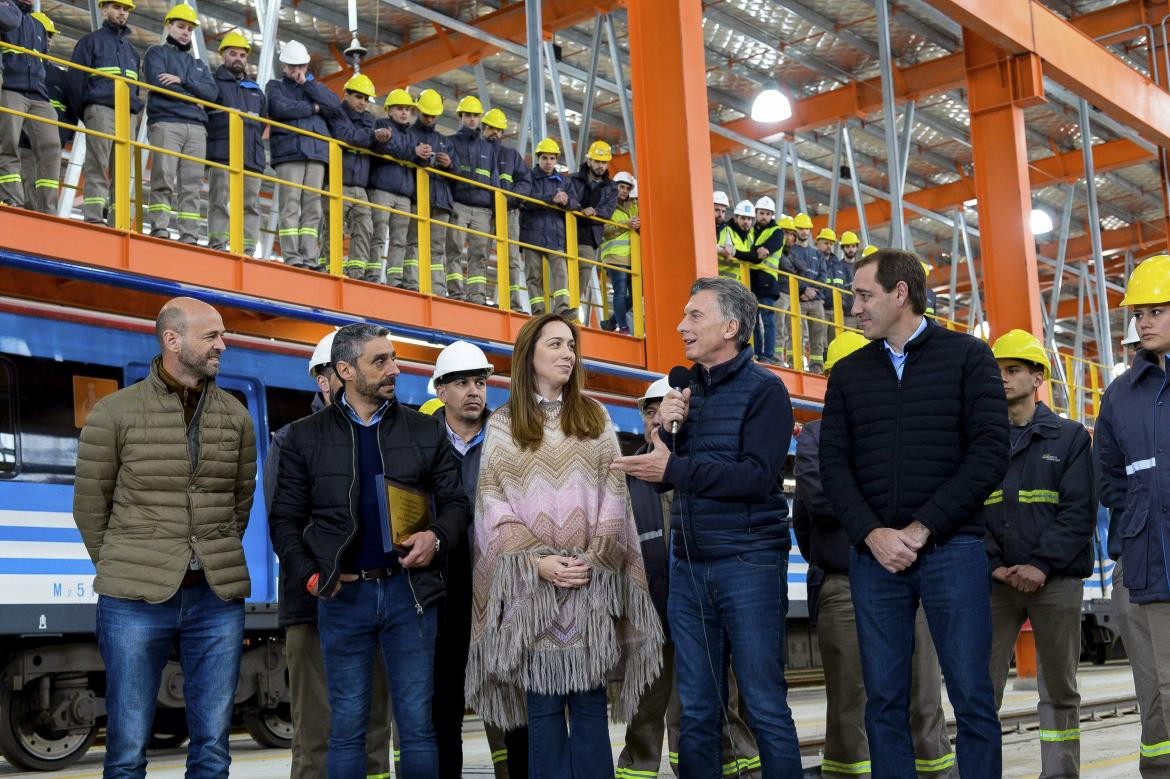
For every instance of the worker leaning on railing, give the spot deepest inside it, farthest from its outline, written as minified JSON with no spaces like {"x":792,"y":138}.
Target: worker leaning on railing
{"x":841,"y":273}
{"x":545,"y":227}
{"x":474,"y":158}
{"x":92,"y":98}
{"x":597,"y":194}
{"x":515,"y":176}
{"x":433,"y":150}
{"x":392,"y":185}
{"x":40,"y":170}
{"x":765,"y":281}
{"x":615,"y":250}
{"x":736,"y":239}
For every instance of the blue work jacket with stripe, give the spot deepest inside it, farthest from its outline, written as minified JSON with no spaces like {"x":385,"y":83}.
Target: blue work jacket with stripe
{"x":23,"y":72}
{"x":473,"y":157}
{"x":242,"y":94}
{"x":195,"y":80}
{"x":107,"y":50}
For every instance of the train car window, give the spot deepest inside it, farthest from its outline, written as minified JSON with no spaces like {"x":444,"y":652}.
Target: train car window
{"x":286,"y":405}
{"x":9,"y":444}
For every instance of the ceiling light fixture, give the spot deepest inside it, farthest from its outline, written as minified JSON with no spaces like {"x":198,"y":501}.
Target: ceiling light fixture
{"x":771,"y":105}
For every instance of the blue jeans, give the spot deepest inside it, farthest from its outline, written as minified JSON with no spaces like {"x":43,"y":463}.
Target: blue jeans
{"x":766,"y":335}
{"x":622,"y":299}
{"x":951,"y":581}
{"x":740,"y":601}
{"x":556,"y":751}
{"x":352,"y":624}
{"x":135,"y":639}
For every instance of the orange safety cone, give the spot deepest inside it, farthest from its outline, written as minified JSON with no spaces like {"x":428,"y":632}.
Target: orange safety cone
{"x":1025,"y":658}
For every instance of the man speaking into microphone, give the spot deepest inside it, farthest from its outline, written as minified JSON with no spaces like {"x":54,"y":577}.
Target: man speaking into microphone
{"x":729,"y":531}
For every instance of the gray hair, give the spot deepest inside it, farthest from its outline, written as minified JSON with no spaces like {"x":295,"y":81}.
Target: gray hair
{"x":351,"y":339}
{"x":736,"y":304}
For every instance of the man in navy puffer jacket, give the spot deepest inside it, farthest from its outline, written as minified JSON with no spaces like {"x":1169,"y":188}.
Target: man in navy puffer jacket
{"x":25,"y":91}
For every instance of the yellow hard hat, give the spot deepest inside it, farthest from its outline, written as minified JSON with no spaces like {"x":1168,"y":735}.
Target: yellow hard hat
{"x":234,"y":40}
{"x":599,"y":151}
{"x":399,"y":97}
{"x":430,"y":103}
{"x":361,"y":83}
{"x":430,"y":407}
{"x":842,"y":346}
{"x":45,"y":21}
{"x":868,"y":250}
{"x":469,"y":105}
{"x":849,"y":238}
{"x":1149,"y":283}
{"x":827,"y":234}
{"x":181,"y":13}
{"x":129,"y":4}
{"x":1022,"y":345}
{"x":495,"y":118}
{"x":926,"y":267}
{"x":548,"y":146}
{"x":803,"y":222}
{"x":786,"y":223}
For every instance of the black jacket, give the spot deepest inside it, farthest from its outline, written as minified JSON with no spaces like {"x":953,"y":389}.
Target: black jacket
{"x":514,"y":174}
{"x":23,"y":72}
{"x":651,"y":517}
{"x":245,"y":95}
{"x":9,"y":15}
{"x":930,"y":446}
{"x":105,"y":49}
{"x":195,"y":80}
{"x":313,"y":518}
{"x":821,"y":538}
{"x":598,"y":194}
{"x":393,"y":176}
{"x":473,"y":157}
{"x":297,"y":105}
{"x":1045,"y":512}
{"x":355,"y":129}
{"x":440,"y":185}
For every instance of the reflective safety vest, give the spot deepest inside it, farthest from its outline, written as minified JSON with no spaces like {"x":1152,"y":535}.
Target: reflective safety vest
{"x":616,"y":249}
{"x":729,"y":266}
{"x":771,"y":263}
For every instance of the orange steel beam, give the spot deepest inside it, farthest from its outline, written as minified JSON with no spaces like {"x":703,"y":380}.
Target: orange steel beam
{"x":448,"y":50}
{"x":1068,"y":308}
{"x":1057,"y":169}
{"x":1070,"y":57}
{"x":1139,"y":237}
{"x":999,"y":88}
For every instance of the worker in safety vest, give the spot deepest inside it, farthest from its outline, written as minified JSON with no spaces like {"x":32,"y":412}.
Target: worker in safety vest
{"x":722,"y":204}
{"x":737,"y":239}
{"x":766,"y":282}
{"x":176,"y":125}
{"x":25,"y":90}
{"x":543,"y":226}
{"x":1132,"y":429}
{"x":474,"y":158}
{"x":1040,"y":525}
{"x":514,"y":176}
{"x":615,"y":250}
{"x":236,"y":91}
{"x":92,"y":98}
{"x":392,"y":185}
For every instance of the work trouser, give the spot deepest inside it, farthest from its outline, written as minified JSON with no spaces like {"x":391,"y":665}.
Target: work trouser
{"x":816,"y":332}
{"x":176,"y":183}
{"x":46,"y":150}
{"x":309,"y":702}
{"x":357,"y":223}
{"x":846,"y":746}
{"x":98,"y":168}
{"x":219,"y":214}
{"x":558,"y":282}
{"x":438,"y":251}
{"x":659,"y":710}
{"x":784,"y":324}
{"x":473,"y":285}
{"x":509,"y":751}
{"x":1055,"y":613}
{"x":300,"y":212}
{"x":396,"y":239}
{"x":585,"y":275}
{"x":1154,"y":761}
{"x":515,"y":264}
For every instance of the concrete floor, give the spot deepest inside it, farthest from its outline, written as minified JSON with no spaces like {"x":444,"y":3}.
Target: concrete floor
{"x":1108,"y":746}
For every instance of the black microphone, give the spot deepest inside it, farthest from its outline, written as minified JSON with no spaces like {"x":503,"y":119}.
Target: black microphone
{"x":679,"y":379}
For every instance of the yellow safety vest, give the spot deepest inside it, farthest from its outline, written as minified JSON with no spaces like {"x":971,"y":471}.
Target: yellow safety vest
{"x":730,"y":267}
{"x":616,"y":250}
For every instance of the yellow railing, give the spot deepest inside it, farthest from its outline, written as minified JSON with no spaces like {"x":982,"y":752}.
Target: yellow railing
{"x":125,"y":146}
{"x":1081,"y":391}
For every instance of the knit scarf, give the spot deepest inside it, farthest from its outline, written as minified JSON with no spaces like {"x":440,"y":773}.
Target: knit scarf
{"x":526,"y":633}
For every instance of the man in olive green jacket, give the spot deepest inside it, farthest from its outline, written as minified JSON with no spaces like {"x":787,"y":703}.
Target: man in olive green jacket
{"x":166,"y":469}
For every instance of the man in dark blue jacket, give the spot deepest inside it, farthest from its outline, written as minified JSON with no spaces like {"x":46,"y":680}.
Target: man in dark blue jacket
{"x":810,"y":265}
{"x":596,"y":196}
{"x":92,"y":98}
{"x":1132,"y":430}
{"x":25,"y":90}
{"x":514,"y":176}
{"x":177,"y":125}
{"x":729,"y":529}
{"x":41,"y":193}
{"x":914,"y":438}
{"x":545,"y":227}
{"x":434,"y":151}
{"x":392,"y":185}
{"x":474,"y":158}
{"x":299,"y":100}
{"x":236,"y":91}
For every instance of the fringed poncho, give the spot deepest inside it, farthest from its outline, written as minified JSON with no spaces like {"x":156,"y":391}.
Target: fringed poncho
{"x":526,"y":633}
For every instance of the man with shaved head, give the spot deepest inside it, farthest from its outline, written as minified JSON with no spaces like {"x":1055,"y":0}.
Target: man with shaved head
{"x":165,"y":474}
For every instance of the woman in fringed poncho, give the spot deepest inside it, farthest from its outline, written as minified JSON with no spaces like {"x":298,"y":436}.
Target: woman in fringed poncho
{"x":560,"y":597}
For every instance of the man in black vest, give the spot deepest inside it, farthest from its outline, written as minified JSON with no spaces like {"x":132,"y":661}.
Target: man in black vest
{"x":913,"y":440}
{"x":729,"y":532}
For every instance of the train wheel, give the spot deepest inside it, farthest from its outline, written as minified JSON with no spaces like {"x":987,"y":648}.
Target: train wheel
{"x":270,"y":728}
{"x":29,"y":739}
{"x":170,"y":728}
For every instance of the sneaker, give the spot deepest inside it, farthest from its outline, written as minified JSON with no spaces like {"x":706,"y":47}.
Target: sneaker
{"x":608,"y":325}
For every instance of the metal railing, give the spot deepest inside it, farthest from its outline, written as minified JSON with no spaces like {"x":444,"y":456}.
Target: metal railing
{"x":127,"y":199}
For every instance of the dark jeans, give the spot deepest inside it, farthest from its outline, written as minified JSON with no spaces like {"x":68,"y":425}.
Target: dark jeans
{"x":352,"y":624}
{"x":741,"y":602}
{"x":623,"y":301}
{"x":135,"y":639}
{"x":951,"y":582}
{"x":557,"y":751}
{"x":766,"y":332}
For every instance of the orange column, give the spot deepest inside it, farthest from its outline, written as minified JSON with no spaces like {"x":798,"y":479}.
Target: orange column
{"x":999,"y":87}
{"x":669,"y":84}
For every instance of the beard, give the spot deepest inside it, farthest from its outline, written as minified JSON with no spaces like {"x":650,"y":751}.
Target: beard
{"x":371,"y":389}
{"x":236,"y":68}
{"x":205,"y":365}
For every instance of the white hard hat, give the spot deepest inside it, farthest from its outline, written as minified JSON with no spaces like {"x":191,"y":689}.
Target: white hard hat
{"x":321,"y":353}
{"x":744,"y":208}
{"x":1131,"y":334}
{"x":656,"y":391}
{"x":721,"y":199}
{"x":634,"y":193}
{"x":459,"y":357}
{"x":625,"y":178}
{"x":294,"y":53}
{"x":766,"y":203}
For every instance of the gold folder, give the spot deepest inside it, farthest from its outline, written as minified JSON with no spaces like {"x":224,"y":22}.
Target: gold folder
{"x":405,"y":510}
